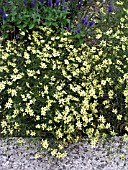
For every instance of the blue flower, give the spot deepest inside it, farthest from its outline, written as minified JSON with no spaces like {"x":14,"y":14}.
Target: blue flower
{"x":7,"y":3}
{"x":110,"y":8}
{"x":1,"y":11}
{"x":80,"y":4}
{"x":42,"y":1}
{"x":91,"y":23}
{"x":78,"y":30}
{"x":25,"y":2}
{"x":33,"y":3}
{"x":57,"y":2}
{"x":4,"y":16}
{"x":49,"y":2}
{"x":65,"y":8}
{"x":69,"y":28}
{"x":84,"y":20}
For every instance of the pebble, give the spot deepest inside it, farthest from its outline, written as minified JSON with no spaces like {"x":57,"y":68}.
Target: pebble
{"x":80,"y":156}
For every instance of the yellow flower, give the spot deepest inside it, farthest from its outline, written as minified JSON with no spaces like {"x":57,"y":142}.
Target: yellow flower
{"x":32,"y":133}
{"x":109,"y":32}
{"x":13,"y":92}
{"x":119,"y":3}
{"x":60,"y":146}
{"x":2,"y":85}
{"x":114,"y":111}
{"x":126,"y":128}
{"x":111,"y":93}
{"x":38,"y":126}
{"x":43,"y":111}
{"x":37,"y":155}
{"x":26,"y":55}
{"x":45,"y":143}
{"x":37,"y":117}
{"x":93,"y":142}
{"x":20,"y":141}
{"x":98,"y":36}
{"x":3,"y":123}
{"x":79,"y":125}
{"x":101,"y":126}
{"x":43,"y":126}
{"x":103,"y":82}
{"x":59,"y":134}
{"x":8,"y":105}
{"x":125,"y":137}
{"x":108,"y":125}
{"x":16,"y":125}
{"x":119,"y":117}
{"x":54,"y":152}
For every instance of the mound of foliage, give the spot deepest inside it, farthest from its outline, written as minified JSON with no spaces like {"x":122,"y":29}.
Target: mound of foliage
{"x":53,"y":86}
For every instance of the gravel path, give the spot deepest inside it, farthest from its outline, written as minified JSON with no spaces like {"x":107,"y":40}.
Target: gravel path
{"x":109,"y":155}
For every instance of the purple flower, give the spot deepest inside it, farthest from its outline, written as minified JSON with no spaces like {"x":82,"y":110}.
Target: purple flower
{"x":69,"y":28}
{"x":84,"y":20}
{"x":7,"y":3}
{"x":33,"y":3}
{"x":1,"y":11}
{"x":91,"y":23}
{"x":49,"y":2}
{"x":110,"y":8}
{"x":57,"y":2}
{"x":65,"y":8}
{"x":78,"y":30}
{"x":4,"y":16}
{"x":80,"y":4}
{"x":42,"y":1}
{"x":25,"y":2}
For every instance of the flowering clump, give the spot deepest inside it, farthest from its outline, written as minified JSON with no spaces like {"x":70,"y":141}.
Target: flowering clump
{"x":53,"y":88}
{"x":50,"y":86}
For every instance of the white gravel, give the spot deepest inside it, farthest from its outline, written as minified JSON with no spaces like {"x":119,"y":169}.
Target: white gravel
{"x":109,"y":155}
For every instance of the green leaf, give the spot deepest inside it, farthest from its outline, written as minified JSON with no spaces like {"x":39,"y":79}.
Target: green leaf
{"x":31,"y":25}
{"x":5,"y":36}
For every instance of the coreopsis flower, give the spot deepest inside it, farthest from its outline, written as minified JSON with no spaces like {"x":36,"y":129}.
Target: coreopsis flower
{"x":57,"y":2}
{"x":4,"y":16}
{"x":33,"y":3}
{"x":49,"y":2}
{"x":110,"y":8}
{"x":91,"y":23}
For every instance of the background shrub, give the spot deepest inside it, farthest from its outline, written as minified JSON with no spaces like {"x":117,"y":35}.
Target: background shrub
{"x":79,"y":17}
